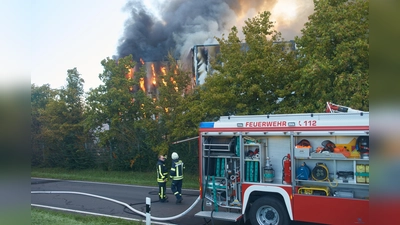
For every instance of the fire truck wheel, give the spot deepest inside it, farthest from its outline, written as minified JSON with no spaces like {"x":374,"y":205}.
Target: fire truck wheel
{"x":268,"y":210}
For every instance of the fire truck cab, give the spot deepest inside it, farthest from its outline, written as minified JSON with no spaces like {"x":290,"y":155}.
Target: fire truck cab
{"x":272,"y":169}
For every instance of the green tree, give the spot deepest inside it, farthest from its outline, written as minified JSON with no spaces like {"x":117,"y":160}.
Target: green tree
{"x":334,"y":56}
{"x":174,"y":100}
{"x":191,"y":114}
{"x":63,"y":126}
{"x":142,"y":118}
{"x":40,"y":97}
{"x":173,"y":89}
{"x":250,"y":77}
{"x":113,"y":109}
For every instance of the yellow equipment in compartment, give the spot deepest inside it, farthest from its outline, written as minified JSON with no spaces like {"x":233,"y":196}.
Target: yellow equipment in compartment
{"x":314,"y":190}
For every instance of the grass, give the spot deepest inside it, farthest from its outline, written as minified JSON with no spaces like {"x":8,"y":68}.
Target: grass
{"x":50,"y":217}
{"x":117,"y":177}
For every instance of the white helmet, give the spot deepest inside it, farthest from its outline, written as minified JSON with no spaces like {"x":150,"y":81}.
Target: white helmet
{"x":174,"y":155}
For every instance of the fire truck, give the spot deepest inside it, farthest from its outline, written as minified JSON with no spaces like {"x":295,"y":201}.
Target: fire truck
{"x":278,"y":168}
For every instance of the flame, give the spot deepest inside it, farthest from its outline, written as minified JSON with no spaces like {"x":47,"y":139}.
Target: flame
{"x":164,"y":72}
{"x":141,"y":60}
{"x":130,"y":73}
{"x":174,"y":83}
{"x":141,"y":83}
{"x":154,"y":74}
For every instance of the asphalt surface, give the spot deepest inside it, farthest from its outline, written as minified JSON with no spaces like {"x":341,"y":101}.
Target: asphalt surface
{"x":132,"y":195}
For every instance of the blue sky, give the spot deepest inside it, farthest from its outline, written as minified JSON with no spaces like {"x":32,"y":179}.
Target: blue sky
{"x":73,"y":33}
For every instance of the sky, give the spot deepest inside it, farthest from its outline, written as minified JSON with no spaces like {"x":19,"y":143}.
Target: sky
{"x":45,"y":38}
{"x":73,"y":33}
{"x":14,"y":44}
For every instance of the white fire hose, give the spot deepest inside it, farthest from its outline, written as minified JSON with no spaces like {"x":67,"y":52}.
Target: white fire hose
{"x":121,"y":203}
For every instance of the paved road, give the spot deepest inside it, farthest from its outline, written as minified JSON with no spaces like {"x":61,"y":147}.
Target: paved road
{"x":135,"y":196}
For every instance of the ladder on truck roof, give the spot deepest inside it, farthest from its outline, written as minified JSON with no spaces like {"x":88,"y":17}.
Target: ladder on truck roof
{"x":334,"y":108}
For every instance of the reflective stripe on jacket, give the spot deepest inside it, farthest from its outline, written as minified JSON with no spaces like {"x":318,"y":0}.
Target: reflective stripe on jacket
{"x":162,"y":171}
{"x":176,"y":172}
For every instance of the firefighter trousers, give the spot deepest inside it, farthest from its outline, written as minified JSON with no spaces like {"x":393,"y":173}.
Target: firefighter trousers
{"x":176,"y":188}
{"x":162,"y":188}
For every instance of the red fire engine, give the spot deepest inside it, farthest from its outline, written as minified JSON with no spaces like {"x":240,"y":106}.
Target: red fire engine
{"x":272,"y":169}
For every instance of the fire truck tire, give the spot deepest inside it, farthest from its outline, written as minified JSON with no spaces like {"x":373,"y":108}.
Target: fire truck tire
{"x":268,"y":210}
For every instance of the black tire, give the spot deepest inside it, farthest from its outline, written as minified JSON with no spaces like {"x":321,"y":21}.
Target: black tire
{"x":268,"y":210}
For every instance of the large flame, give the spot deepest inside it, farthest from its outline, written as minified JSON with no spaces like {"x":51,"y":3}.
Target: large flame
{"x":154,"y":74}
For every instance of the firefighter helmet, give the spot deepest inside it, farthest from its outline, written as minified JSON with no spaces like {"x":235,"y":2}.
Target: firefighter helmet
{"x":174,"y":155}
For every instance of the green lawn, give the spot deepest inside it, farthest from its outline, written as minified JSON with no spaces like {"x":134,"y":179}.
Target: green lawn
{"x":50,"y":217}
{"x":137,"y":178}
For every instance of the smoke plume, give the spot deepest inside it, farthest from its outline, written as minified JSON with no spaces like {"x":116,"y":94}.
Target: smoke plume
{"x":177,"y":25}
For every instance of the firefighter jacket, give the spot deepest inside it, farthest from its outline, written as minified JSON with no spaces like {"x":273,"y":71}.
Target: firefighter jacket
{"x":162,"y":172}
{"x":177,"y":167}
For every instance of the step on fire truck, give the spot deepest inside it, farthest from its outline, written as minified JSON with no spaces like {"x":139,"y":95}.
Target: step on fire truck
{"x":272,"y":169}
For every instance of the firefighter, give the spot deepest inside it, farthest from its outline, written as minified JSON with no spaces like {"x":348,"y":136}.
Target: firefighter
{"x":162,"y":178}
{"x":176,"y":175}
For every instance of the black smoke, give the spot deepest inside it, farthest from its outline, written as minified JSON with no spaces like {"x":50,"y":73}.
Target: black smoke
{"x":180,"y":25}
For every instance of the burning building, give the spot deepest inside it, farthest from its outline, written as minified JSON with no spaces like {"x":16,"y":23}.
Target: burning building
{"x":176,"y":26}
{"x":202,"y":55}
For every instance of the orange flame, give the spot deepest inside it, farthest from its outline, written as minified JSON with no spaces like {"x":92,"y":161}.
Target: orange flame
{"x":163,"y":70}
{"x":141,"y":83}
{"x":154,"y":74}
{"x":130,"y":73}
{"x":176,"y":69}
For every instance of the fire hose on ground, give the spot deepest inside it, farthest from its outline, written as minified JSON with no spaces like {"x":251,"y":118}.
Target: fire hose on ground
{"x":122,"y":203}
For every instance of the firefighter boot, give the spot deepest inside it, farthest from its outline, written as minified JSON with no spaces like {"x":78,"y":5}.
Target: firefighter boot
{"x":179,"y":199}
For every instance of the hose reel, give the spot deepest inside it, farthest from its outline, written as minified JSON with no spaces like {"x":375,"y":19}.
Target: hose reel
{"x":320,"y":172}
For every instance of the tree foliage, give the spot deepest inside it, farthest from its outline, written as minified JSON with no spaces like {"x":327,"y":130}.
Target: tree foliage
{"x":40,"y":97}
{"x":140,"y":122}
{"x":334,"y":56}
{"x":112,"y":110}
{"x":251,"y":75}
{"x":61,"y":123}
{"x":173,"y":90}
